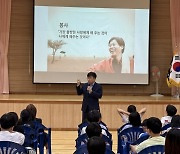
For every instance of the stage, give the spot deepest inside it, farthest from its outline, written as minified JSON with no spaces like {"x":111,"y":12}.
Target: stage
{"x":63,"y":112}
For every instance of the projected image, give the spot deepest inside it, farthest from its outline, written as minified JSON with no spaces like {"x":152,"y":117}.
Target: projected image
{"x":76,"y":40}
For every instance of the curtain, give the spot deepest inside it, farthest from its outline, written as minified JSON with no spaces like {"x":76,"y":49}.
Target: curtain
{"x":5,"y":14}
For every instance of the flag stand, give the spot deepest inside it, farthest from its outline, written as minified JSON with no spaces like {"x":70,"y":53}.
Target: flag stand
{"x":177,"y":95}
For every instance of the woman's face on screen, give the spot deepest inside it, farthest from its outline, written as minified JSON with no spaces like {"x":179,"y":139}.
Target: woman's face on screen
{"x":115,"y":49}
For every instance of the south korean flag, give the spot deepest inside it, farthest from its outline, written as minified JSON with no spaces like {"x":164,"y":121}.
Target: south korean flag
{"x":173,"y":76}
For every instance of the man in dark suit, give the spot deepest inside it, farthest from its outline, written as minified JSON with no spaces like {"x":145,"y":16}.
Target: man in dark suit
{"x":92,"y":92}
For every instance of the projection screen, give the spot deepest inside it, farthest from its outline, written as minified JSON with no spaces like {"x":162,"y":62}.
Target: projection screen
{"x":73,"y":37}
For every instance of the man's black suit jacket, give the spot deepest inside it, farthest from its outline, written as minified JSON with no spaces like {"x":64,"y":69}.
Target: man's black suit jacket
{"x":90,"y":101}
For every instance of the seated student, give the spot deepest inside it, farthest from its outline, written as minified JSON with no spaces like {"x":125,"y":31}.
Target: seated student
{"x":8,"y":122}
{"x":125,"y":114}
{"x":94,"y":116}
{"x":33,"y":112}
{"x":93,"y":129}
{"x":16,"y":118}
{"x":172,"y":141}
{"x":153,"y":128}
{"x":171,"y":111}
{"x":97,"y":116}
{"x":32,"y":109}
{"x":134,"y":121}
{"x":25,"y":117}
{"x":96,"y":145}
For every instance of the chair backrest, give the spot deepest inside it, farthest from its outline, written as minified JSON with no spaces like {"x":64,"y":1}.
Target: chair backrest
{"x":165,"y":129}
{"x":82,"y":139}
{"x":156,"y":149}
{"x":129,"y":135}
{"x":108,"y":141}
{"x":119,"y":130}
{"x":39,"y":129}
{"x":7,"y":147}
{"x":82,"y":150}
{"x":80,"y":126}
{"x":30,"y":137}
{"x":108,"y":134}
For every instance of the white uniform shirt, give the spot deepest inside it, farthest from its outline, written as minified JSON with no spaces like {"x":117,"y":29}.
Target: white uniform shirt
{"x":166,"y":120}
{"x":12,"y":137}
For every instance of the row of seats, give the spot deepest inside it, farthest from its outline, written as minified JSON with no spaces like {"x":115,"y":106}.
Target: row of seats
{"x":127,"y":134}
{"x":24,"y":133}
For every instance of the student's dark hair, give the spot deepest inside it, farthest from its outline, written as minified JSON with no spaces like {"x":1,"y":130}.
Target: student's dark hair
{"x":7,"y":121}
{"x":175,"y":121}
{"x":92,"y":74}
{"x":144,"y":123}
{"x":25,"y":116}
{"x":120,"y":42}
{"x":131,"y":108}
{"x":135,"y":119}
{"x":94,"y":116}
{"x":33,"y":111}
{"x":96,"y":145}
{"x":171,"y":110}
{"x":172,"y":141}
{"x":16,"y":118}
{"x":154,"y":124}
{"x":93,"y":129}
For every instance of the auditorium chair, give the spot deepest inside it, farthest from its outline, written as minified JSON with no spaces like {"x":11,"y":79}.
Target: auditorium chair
{"x":82,"y":139}
{"x":7,"y":147}
{"x":42,"y":136}
{"x":80,"y":126}
{"x":83,"y":150}
{"x":164,"y":129}
{"x":126,"y":137}
{"x":31,"y":139}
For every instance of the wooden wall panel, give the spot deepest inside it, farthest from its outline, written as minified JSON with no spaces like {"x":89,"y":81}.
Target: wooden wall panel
{"x":67,"y":116}
{"x":21,"y":53}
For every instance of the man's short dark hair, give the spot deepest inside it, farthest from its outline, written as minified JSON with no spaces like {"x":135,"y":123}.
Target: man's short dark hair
{"x":131,"y":108}
{"x":7,"y":121}
{"x":16,"y":118}
{"x":93,"y":129}
{"x":94,"y":116}
{"x":154,"y":124}
{"x":96,"y":145}
{"x":175,"y":122}
{"x":171,"y":110}
{"x":135,"y":119}
{"x":93,"y":74}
